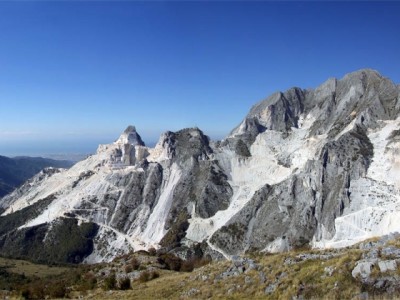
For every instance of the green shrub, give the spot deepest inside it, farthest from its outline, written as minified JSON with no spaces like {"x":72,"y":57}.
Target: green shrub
{"x":9,"y":281}
{"x":110,"y":282}
{"x":87,"y":282}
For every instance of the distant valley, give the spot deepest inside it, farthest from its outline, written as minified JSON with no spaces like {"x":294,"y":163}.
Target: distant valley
{"x":15,"y":171}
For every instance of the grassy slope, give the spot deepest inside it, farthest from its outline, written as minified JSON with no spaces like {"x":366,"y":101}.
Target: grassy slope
{"x":326,"y":278}
{"x":312,"y":274}
{"x":30,"y":269}
{"x":309,"y":273}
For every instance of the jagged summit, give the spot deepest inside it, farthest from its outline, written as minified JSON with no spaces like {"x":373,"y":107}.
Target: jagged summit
{"x":130,"y":136}
{"x":316,"y":167}
{"x":363,"y":74}
{"x":364,"y":95}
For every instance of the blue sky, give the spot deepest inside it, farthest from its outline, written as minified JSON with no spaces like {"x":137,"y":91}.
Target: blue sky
{"x":75,"y":74}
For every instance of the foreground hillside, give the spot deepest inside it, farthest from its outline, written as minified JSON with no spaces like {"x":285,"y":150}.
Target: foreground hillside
{"x":367,"y":270}
{"x":15,"y":171}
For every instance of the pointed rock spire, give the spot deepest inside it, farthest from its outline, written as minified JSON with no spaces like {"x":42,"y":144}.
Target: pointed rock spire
{"x":130,"y":136}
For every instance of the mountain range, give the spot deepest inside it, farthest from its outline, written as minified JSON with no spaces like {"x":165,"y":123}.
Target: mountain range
{"x":306,"y":167}
{"x":15,"y":171}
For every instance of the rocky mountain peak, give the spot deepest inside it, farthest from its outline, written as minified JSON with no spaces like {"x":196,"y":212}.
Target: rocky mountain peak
{"x":130,"y":136}
{"x":316,"y":167}
{"x":363,"y":74}
{"x":184,"y":144}
{"x":364,"y":95}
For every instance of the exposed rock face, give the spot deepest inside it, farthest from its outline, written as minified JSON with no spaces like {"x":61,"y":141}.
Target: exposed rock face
{"x":312,"y":201}
{"x":318,"y":167}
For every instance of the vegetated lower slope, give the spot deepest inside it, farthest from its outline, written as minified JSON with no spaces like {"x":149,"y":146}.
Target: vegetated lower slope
{"x":15,"y":171}
{"x":369,"y":270}
{"x":317,"y":167}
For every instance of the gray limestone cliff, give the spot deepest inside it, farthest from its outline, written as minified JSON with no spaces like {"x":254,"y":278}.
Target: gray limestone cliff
{"x":305,"y":206}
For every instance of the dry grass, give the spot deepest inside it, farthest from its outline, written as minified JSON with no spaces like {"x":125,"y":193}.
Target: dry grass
{"x":296,"y":273}
{"x":166,"y":287}
{"x":395,"y":243}
{"x":31,"y":269}
{"x":308,"y":278}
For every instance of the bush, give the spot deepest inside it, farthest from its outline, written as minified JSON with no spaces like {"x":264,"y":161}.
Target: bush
{"x":57,"y":290}
{"x":170,"y":261}
{"x":26,"y":293}
{"x":110,"y":282}
{"x":142,"y":252}
{"x":124,"y":283}
{"x":128,"y":269}
{"x":134,"y":263}
{"x":189,"y":265}
{"x":144,"y":276}
{"x":88,"y":282}
{"x":155,"y":274}
{"x":33,"y":291}
{"x":147,"y":276}
{"x":152,"y":251}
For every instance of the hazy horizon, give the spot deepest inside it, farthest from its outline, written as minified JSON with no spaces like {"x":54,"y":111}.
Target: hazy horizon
{"x":50,"y":148}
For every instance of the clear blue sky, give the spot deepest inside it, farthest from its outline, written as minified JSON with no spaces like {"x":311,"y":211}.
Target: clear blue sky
{"x":75,"y":74}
